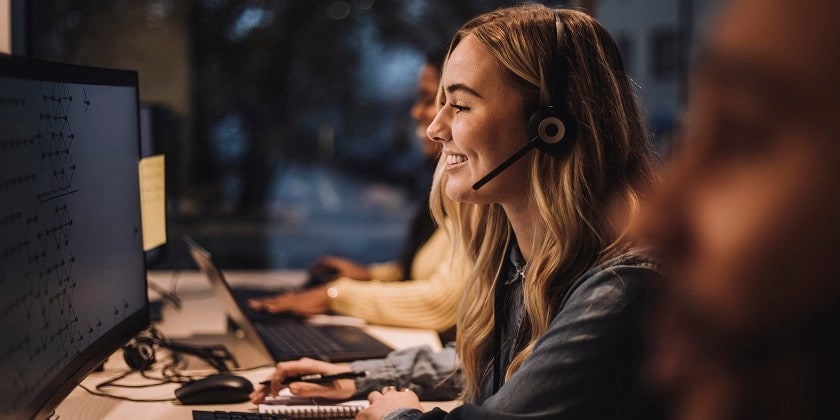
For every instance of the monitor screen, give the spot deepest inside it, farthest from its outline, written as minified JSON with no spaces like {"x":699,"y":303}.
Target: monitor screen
{"x":72,"y":271}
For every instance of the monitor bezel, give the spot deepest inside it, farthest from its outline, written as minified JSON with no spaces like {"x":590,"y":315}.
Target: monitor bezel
{"x":56,"y":390}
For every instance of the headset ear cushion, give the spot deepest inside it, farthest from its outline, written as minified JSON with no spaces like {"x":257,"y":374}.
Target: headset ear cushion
{"x":546,"y":125}
{"x":139,"y":356}
{"x":554,"y":127}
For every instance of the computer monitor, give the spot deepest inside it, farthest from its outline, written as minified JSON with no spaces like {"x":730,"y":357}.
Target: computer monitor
{"x":72,"y":270}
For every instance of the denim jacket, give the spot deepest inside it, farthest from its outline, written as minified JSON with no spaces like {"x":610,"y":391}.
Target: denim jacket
{"x":585,"y":366}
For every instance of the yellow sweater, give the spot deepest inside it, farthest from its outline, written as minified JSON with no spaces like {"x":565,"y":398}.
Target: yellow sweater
{"x":429,"y":300}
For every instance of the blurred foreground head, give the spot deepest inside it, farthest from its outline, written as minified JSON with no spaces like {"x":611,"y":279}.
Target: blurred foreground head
{"x":747,"y":218}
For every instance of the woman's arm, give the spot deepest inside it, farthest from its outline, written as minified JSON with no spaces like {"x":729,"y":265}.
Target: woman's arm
{"x":433,"y":375}
{"x":430,"y":302}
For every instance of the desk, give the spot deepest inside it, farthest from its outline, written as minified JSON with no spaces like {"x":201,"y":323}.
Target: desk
{"x":199,"y":316}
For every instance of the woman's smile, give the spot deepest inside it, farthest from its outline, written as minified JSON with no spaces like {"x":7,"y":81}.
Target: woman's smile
{"x":455,"y":160}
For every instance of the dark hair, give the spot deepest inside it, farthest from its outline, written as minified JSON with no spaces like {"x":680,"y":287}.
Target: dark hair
{"x":435,"y":58}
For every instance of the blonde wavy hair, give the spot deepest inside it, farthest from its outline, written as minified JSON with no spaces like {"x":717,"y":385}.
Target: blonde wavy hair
{"x":610,"y":157}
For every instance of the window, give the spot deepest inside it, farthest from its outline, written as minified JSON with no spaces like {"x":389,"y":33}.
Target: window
{"x":290,"y":118}
{"x":663,"y":53}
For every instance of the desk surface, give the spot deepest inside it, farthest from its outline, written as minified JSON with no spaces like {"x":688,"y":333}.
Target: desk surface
{"x":199,"y":316}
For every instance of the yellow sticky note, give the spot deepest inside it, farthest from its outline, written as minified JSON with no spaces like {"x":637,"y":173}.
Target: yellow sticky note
{"x":153,"y":201}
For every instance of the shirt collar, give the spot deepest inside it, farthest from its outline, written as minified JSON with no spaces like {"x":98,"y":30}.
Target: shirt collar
{"x":518,"y":263}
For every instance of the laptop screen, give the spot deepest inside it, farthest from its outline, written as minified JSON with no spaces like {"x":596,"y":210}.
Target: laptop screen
{"x":222,"y":289}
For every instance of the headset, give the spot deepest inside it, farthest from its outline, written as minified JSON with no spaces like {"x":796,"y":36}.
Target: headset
{"x":552,"y":123}
{"x":140,"y":355}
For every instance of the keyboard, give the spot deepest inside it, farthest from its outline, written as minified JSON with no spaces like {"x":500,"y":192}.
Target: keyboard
{"x":292,"y":340}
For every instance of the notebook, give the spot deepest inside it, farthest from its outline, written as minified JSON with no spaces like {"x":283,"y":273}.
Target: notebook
{"x":288,"y":337}
{"x":345,"y":410}
{"x":287,"y":406}
{"x":267,"y":412}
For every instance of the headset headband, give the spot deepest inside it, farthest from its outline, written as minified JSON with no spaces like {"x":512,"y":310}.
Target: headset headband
{"x":559,"y":82}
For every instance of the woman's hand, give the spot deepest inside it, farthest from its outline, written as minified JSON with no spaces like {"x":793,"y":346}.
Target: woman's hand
{"x":312,"y":301}
{"x":342,"y":389}
{"x":383,"y":403}
{"x":345,"y":267}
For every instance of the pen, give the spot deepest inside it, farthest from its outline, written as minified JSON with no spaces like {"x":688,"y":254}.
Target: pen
{"x":319,"y":378}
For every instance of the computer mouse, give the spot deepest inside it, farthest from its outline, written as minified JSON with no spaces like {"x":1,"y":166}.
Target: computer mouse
{"x":221,"y":388}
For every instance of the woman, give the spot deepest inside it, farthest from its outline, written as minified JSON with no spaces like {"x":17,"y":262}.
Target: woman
{"x":549,"y":325}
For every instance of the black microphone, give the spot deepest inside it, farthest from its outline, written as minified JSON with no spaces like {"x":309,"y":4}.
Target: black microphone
{"x":509,"y":161}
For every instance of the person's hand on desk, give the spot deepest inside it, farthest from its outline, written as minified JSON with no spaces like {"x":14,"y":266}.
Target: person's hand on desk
{"x":312,"y":301}
{"x":341,"y":389}
{"x":385,"y":402}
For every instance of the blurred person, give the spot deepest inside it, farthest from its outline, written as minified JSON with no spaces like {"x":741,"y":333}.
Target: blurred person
{"x":746,"y":221}
{"x":427,"y":296}
{"x":549,"y":325}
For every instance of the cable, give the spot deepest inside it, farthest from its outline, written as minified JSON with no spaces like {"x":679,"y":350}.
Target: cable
{"x":170,"y":295}
{"x":120,"y":397}
{"x":176,"y":275}
{"x":170,"y":372}
{"x":174,"y":377}
{"x":112,"y":383}
{"x":267,"y":365}
{"x":215,"y":355}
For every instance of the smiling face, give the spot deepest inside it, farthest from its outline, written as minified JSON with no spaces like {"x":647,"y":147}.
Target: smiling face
{"x":480,"y":124}
{"x":748,"y":217}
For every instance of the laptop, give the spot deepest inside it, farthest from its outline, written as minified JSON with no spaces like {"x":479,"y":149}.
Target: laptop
{"x":283,"y":337}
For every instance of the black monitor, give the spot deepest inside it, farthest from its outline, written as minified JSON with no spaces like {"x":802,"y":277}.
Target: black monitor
{"x":72,"y":270}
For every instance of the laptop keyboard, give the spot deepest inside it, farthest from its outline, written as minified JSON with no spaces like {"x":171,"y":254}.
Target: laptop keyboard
{"x":288,"y":340}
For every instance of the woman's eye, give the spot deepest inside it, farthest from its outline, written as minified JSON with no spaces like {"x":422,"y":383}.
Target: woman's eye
{"x":459,"y":108}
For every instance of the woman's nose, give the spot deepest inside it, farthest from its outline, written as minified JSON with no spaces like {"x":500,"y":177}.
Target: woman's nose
{"x":438,"y":130}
